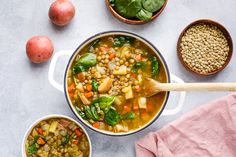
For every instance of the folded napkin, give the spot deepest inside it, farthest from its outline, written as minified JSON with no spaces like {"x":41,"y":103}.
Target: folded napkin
{"x":208,"y":131}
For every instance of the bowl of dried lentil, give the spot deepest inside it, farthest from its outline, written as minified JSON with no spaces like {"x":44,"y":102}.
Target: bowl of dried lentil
{"x":205,"y":47}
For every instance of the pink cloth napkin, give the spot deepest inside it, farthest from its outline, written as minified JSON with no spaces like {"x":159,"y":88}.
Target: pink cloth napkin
{"x":208,"y":131}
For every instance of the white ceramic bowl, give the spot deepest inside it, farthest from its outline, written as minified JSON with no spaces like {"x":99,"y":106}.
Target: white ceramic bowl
{"x":49,"y":117}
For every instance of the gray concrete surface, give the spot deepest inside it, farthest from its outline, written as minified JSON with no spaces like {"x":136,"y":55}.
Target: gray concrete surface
{"x":25,"y":92}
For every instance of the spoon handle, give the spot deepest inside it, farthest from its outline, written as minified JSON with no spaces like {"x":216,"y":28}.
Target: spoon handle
{"x":196,"y":86}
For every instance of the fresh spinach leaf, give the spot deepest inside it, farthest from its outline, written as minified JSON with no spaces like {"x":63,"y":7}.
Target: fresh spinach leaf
{"x":65,"y":139}
{"x":88,"y":112}
{"x":81,"y":113}
{"x":127,"y":116}
{"x":128,"y":8}
{"x":94,"y":44}
{"x":121,"y":40}
{"x":144,"y":15}
{"x":105,"y":102}
{"x":138,"y":65}
{"x":94,"y":112}
{"x":88,"y":59}
{"x":155,"y":66}
{"x":95,"y":85}
{"x":112,"y":117}
{"x":79,"y":68}
{"x":153,"y":5}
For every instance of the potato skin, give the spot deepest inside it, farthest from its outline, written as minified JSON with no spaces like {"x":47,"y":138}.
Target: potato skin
{"x":61,"y":12}
{"x":39,"y":49}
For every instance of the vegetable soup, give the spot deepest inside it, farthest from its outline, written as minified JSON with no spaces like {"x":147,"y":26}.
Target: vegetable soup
{"x":105,"y":83}
{"x":57,"y":137}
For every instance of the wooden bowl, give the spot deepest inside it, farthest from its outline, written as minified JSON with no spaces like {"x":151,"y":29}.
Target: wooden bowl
{"x":131,"y":21}
{"x":224,"y":31}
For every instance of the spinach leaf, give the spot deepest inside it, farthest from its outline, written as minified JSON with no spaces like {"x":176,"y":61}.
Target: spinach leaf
{"x":105,"y":102}
{"x":33,"y":148}
{"x":112,"y":117}
{"x":94,"y":85}
{"x":153,"y":5}
{"x":88,"y":112}
{"x":155,"y":66}
{"x":129,"y":115}
{"x":144,"y":15}
{"x":88,"y":59}
{"x":65,"y":139}
{"x":138,"y":65}
{"x":128,"y":8}
{"x":81,"y":113}
{"x":94,"y":112}
{"x":79,"y":68}
{"x":121,"y":40}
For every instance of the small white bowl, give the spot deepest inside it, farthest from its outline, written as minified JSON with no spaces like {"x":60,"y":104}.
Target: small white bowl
{"x":49,"y":117}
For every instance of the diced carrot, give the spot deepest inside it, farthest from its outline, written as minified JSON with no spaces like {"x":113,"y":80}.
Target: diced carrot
{"x":135,"y":106}
{"x":89,"y":87}
{"x":41,"y":141}
{"x":138,"y":88}
{"x":75,"y":142}
{"x":133,"y":75}
{"x":88,"y":94}
{"x":112,"y":55}
{"x":71,"y":95}
{"x":104,"y":48}
{"x":144,"y":115}
{"x":81,"y":76}
{"x":126,"y":109}
{"x":96,"y":125}
{"x":78,"y":132}
{"x":150,"y":106}
{"x":138,"y":57}
{"x":71,"y":88}
{"x":40,"y":131}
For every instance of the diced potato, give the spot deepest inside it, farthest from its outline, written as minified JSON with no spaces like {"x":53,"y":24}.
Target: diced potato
{"x":119,"y":100}
{"x":34,"y":132}
{"x":125,"y":51}
{"x":84,"y":100}
{"x":142,"y":102}
{"x":53,"y":127}
{"x":80,"y":87}
{"x":121,"y":128}
{"x":128,"y":92}
{"x":140,"y":78}
{"x":121,"y":71}
{"x":105,"y":85}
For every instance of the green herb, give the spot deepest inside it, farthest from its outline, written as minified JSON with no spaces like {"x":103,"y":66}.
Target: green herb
{"x":121,"y":40}
{"x":94,"y":112}
{"x":144,"y":15}
{"x":128,"y":8}
{"x":87,"y":60}
{"x":112,"y":117}
{"x":65,"y":139}
{"x":33,"y":148}
{"x":138,"y":65}
{"x":153,"y":5}
{"x":88,"y":112}
{"x":127,"y":116}
{"x":155,"y":66}
{"x":95,"y":85}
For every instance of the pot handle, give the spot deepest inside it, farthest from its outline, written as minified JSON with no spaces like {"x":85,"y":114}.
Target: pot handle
{"x":53,"y":66}
{"x":168,"y":112}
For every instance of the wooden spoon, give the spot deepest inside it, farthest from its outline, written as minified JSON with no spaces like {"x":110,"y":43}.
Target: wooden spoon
{"x":153,"y":87}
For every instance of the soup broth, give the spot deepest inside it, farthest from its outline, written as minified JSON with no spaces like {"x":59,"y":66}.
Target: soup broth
{"x":105,"y":82}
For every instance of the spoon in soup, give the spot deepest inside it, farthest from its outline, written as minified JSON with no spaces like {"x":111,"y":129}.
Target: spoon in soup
{"x":153,"y":87}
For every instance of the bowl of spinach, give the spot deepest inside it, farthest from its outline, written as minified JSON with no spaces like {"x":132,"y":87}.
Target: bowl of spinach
{"x":136,"y":11}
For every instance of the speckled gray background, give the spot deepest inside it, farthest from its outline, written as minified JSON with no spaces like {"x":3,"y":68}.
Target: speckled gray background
{"x":25,"y":92}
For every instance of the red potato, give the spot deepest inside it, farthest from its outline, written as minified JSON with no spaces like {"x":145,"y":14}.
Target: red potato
{"x":39,"y":49}
{"x":61,"y":12}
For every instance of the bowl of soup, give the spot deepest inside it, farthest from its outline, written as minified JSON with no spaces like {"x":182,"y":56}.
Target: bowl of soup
{"x":56,"y":135}
{"x":104,"y":82}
